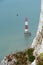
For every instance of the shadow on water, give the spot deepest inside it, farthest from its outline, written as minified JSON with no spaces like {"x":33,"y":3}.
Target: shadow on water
{"x":27,"y":39}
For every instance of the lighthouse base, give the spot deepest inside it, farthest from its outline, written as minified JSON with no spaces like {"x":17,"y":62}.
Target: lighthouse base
{"x":27,"y":33}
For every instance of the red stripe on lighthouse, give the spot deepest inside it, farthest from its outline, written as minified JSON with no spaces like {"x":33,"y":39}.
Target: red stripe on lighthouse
{"x":26,"y":26}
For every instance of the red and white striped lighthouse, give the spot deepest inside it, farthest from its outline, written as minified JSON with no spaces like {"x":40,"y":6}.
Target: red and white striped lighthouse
{"x":26,"y":32}
{"x":26,"y":25}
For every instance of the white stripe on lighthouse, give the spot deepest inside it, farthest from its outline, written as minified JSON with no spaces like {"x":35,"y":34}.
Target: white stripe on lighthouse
{"x":26,"y":30}
{"x":26,"y":23}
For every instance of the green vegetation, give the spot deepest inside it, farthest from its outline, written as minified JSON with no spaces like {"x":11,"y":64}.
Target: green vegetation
{"x":30,"y":51}
{"x":40,"y":59}
{"x":31,"y":58}
{"x":41,"y":56}
{"x":30,"y":54}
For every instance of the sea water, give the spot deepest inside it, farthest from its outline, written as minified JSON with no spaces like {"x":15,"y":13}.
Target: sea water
{"x":12,"y":37}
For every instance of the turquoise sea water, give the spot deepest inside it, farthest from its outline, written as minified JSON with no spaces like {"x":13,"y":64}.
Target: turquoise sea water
{"x":12,"y":27}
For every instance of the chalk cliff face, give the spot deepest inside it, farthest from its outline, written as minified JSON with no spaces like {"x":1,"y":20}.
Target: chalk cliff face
{"x":38,"y":40}
{"x":37,"y":43}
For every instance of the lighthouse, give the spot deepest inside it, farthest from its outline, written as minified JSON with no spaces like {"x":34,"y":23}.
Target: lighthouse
{"x":26,"y":25}
{"x":26,"y":30}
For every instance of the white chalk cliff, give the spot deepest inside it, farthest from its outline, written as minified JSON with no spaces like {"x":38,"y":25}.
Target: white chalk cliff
{"x":38,"y":40}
